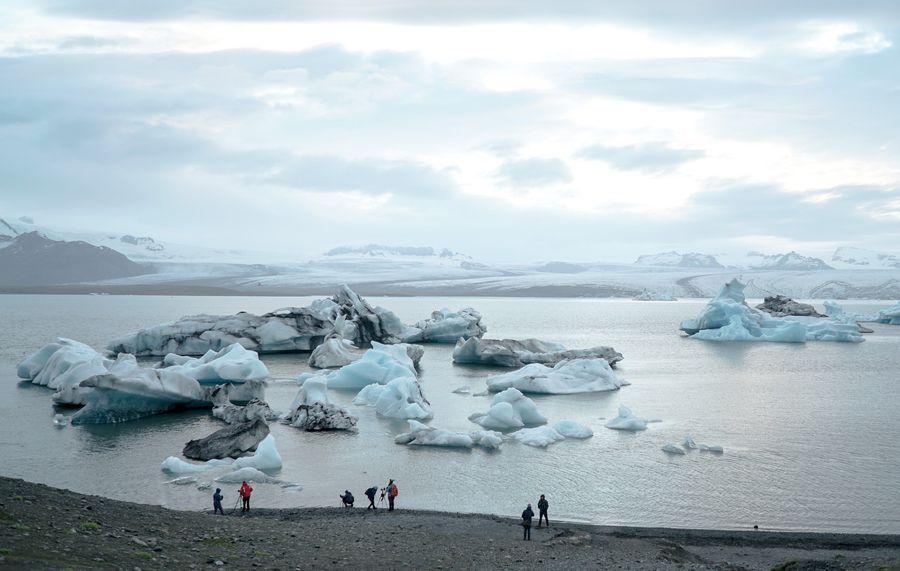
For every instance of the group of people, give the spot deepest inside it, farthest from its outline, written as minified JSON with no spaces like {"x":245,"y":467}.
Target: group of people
{"x":390,"y":491}
{"x":528,"y":514}
{"x":244,"y":493}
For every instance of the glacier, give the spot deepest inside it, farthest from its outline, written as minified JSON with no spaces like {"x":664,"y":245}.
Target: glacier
{"x":566,"y":377}
{"x":727,"y":317}
{"x":446,"y":326}
{"x":399,"y":398}
{"x":313,"y":411}
{"x":509,"y":410}
{"x":626,"y":420}
{"x":284,"y":330}
{"x":423,"y":435}
{"x":519,"y":352}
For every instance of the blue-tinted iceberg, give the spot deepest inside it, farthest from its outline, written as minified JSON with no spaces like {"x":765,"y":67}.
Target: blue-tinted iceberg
{"x":510,"y":410}
{"x":446,"y":326}
{"x":728,"y":318}
{"x":627,"y":421}
{"x":566,"y":377}
{"x":379,"y":365}
{"x":399,"y":398}
{"x":233,"y":364}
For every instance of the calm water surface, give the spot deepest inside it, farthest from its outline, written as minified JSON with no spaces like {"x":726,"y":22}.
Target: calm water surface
{"x":809,"y":431}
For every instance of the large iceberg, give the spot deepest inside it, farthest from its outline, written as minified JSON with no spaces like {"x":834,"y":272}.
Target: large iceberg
{"x":337,"y":352}
{"x":422,"y":435}
{"x":229,"y":442}
{"x":447,"y":326}
{"x":519,"y":352}
{"x":284,"y":330}
{"x":566,"y":377}
{"x":380,"y":364}
{"x":232,"y":364}
{"x":400,"y":398}
{"x":509,"y":410}
{"x":627,"y":421}
{"x":63,"y":366}
{"x":313,"y":411}
{"x":728,"y":318}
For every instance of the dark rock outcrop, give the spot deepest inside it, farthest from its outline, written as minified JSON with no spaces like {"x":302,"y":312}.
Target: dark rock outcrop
{"x":229,"y":442}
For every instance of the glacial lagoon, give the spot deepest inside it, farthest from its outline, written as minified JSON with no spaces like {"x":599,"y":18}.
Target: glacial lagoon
{"x":809,"y":430}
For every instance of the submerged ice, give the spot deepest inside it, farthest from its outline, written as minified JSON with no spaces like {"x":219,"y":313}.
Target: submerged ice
{"x":509,"y":410}
{"x":566,"y":377}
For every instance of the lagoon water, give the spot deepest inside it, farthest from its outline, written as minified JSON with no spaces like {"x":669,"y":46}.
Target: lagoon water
{"x":810,"y":431}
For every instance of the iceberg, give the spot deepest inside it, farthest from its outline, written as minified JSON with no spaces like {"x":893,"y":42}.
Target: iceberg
{"x":572,"y":429}
{"x":337,"y":352}
{"x":422,"y":435}
{"x":728,"y":318}
{"x":174,"y":465}
{"x":232,"y":364}
{"x":247,"y":474}
{"x":400,"y":398}
{"x":446,"y":326}
{"x":285,"y":330}
{"x":783,"y":306}
{"x":689,"y":443}
{"x":235,"y":414}
{"x":627,"y":421}
{"x":63,"y":366}
{"x":519,"y":352}
{"x":541,"y":436}
{"x":312,"y":410}
{"x":566,"y":377}
{"x":380,"y":364}
{"x":714,"y":449}
{"x":673,"y":449}
{"x":229,"y":442}
{"x":266,"y":456}
{"x":509,"y":410}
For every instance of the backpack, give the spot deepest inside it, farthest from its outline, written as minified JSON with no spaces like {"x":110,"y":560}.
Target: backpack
{"x":393,"y":491}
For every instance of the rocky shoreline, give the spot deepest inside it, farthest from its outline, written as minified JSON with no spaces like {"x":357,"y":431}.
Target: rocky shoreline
{"x":49,"y":528}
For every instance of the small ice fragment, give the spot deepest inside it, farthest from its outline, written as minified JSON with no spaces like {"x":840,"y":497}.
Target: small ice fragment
{"x":672,"y":449}
{"x":60,"y":420}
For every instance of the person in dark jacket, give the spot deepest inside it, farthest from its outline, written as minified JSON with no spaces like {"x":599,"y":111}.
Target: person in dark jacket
{"x":543,"y":504}
{"x":347,"y":499}
{"x":526,"y":522}
{"x":217,"y":502}
{"x":370,"y":493}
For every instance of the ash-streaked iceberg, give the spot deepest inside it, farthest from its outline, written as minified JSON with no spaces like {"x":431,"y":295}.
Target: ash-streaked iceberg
{"x":337,"y":352}
{"x":313,"y":411}
{"x":626,"y":420}
{"x":783,"y":306}
{"x":519,"y":352}
{"x":445,"y":326}
{"x":566,"y":377}
{"x":509,"y":410}
{"x":229,"y":442}
{"x":284,"y":330}
{"x":422,"y":435}
{"x":728,"y":318}
{"x":399,"y":398}
{"x":234,"y":414}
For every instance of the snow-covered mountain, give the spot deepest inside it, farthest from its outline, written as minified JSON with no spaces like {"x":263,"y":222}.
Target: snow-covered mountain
{"x":674,"y":259}
{"x":851,"y":257}
{"x":790,"y":261}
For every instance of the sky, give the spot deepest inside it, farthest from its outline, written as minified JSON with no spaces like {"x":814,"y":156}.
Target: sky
{"x":521,"y":131}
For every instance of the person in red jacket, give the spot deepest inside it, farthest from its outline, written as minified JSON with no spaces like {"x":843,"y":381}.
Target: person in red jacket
{"x":245,"y":492}
{"x":391,"y":494}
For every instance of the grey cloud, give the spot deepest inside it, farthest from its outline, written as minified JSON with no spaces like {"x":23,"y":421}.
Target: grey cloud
{"x":534,"y":172}
{"x":648,"y":157}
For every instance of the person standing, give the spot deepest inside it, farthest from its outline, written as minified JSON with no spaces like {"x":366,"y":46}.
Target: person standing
{"x":245,"y":492}
{"x":526,"y":522}
{"x":543,"y":504}
{"x":370,"y":493}
{"x":392,"y":492}
{"x":217,"y":502}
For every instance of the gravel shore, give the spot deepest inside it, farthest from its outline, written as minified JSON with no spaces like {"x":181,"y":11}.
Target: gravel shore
{"x":49,"y":528}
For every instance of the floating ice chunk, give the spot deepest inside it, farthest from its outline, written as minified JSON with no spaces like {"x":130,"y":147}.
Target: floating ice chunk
{"x":233,"y":364}
{"x":288,"y":329}
{"x":60,"y":420}
{"x":673,"y":449}
{"x":247,"y":474}
{"x":184,"y":481}
{"x":380,"y":364}
{"x":335,"y":351}
{"x":509,"y":410}
{"x":422,"y":435}
{"x":713,"y":449}
{"x":487,"y":439}
{"x":728,"y":318}
{"x":541,"y":436}
{"x":447,"y":326}
{"x":572,"y":429}
{"x":626,"y":421}
{"x":313,"y":411}
{"x":400,"y":398}
{"x":519,"y":352}
{"x":175,"y":465}
{"x":462,"y":391}
{"x":566,"y":377}
{"x":63,"y":366}
{"x":266,"y":456}
{"x":689,"y":443}
{"x":235,"y":414}
{"x":890,"y":315}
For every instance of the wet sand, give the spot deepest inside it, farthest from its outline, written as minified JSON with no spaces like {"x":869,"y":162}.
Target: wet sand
{"x":49,"y":528}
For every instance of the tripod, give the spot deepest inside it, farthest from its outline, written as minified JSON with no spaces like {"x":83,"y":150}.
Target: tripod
{"x":381,"y":498}
{"x":235,"y":505}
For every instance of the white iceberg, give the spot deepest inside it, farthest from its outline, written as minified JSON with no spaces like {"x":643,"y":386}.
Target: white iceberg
{"x":334,"y":352}
{"x":175,"y":465}
{"x":446,"y":326}
{"x":673,"y":449}
{"x":422,"y":435}
{"x":566,"y":377}
{"x":380,"y":364}
{"x":689,"y":443}
{"x":510,"y":410}
{"x":313,"y":411}
{"x":519,"y":352}
{"x":63,"y":366}
{"x":232,"y":364}
{"x":728,"y":318}
{"x":284,"y":330}
{"x":247,"y":474}
{"x":266,"y":456}
{"x":627,"y":421}
{"x":541,"y":436}
{"x":572,"y":429}
{"x":399,"y":398}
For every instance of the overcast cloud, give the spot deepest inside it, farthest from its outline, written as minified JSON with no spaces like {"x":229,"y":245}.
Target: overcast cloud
{"x":510,"y":131}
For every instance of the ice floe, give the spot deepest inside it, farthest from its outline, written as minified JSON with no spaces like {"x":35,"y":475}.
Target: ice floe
{"x":519,"y":352}
{"x":626,"y":420}
{"x":422,"y":435}
{"x":313,"y":411}
{"x":509,"y":410}
{"x":446,"y":326}
{"x":566,"y":377}
{"x":400,"y":398}
{"x":728,"y":318}
{"x":572,"y":429}
{"x":541,"y":436}
{"x":232,"y":364}
{"x":673,"y":449}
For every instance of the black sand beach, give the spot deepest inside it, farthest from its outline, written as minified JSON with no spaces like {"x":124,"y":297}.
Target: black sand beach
{"x":49,"y":528}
